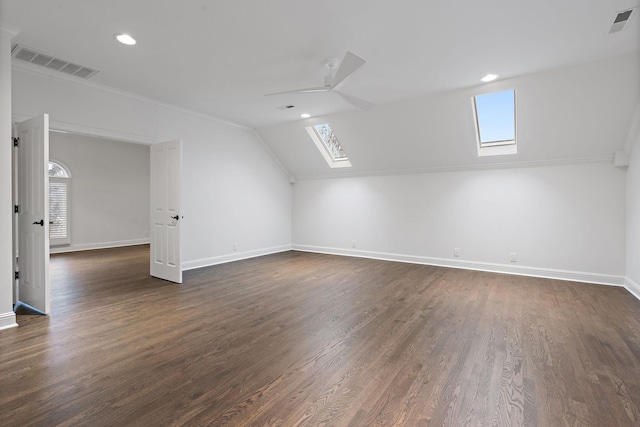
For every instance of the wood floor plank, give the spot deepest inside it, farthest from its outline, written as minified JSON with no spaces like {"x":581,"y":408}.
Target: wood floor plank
{"x":301,"y":339}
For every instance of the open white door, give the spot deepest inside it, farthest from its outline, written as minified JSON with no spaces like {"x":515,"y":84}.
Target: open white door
{"x":33,"y":213}
{"x":166,"y":165}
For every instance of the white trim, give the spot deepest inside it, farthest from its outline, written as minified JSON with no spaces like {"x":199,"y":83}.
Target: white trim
{"x":236,"y":256}
{"x":632,"y":287}
{"x":10,"y":30}
{"x":621,"y":159}
{"x":35,"y":69}
{"x":486,"y":150}
{"x":548,"y":273}
{"x":465,"y":168}
{"x":65,"y":127}
{"x":8,"y":320}
{"x":103,"y":245}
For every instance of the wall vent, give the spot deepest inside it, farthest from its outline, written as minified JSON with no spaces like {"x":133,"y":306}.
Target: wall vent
{"x":620,"y":20}
{"x":49,"y":61}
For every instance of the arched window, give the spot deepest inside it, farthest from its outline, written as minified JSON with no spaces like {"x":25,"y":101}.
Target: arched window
{"x":59,"y":183}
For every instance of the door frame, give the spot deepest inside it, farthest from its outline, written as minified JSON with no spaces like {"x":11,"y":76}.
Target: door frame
{"x":64,"y":128}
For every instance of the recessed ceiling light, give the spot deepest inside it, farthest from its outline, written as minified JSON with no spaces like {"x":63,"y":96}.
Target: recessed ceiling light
{"x":489,"y":78}
{"x":305,"y":115}
{"x":125,"y":39}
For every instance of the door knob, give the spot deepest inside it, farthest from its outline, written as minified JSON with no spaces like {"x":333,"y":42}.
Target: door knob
{"x":41,"y":222}
{"x":175,"y":217}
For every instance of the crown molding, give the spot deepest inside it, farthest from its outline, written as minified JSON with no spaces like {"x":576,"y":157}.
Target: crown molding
{"x":75,"y":129}
{"x":466,"y":168}
{"x":42,"y":71}
{"x":10,"y":30}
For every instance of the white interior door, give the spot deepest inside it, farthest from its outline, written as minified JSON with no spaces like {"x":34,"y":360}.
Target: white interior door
{"x":166,"y":165}
{"x":33,"y":213}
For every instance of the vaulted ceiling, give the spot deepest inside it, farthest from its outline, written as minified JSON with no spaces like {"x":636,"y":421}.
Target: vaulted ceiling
{"x":220,"y":57}
{"x":580,"y":113}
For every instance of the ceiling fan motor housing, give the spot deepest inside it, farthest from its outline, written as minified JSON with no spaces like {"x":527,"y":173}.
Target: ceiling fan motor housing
{"x":337,"y":74}
{"x":330,"y":64}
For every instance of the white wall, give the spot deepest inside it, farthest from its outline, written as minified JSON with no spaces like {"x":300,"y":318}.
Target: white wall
{"x":233,"y":190}
{"x":109,"y":191}
{"x":633,"y":223}
{"x":562,"y":221}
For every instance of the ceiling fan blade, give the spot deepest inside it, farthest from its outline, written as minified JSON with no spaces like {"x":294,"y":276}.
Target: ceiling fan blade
{"x":350,"y":63}
{"x":355,"y":101}
{"x":307,"y":90}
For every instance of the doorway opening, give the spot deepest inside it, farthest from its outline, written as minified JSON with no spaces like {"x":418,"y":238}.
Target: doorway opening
{"x":107,"y":205}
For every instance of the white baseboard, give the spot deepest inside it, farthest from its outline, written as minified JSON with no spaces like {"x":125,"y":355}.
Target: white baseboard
{"x":236,"y":256}
{"x":8,"y":320}
{"x":548,"y":273}
{"x":103,"y":245}
{"x":632,"y":287}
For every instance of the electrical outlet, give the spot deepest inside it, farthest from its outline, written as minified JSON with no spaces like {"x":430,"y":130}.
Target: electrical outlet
{"x":513,"y":257}
{"x":456,"y":252}
{"x":235,"y":247}
{"x":353,"y":244}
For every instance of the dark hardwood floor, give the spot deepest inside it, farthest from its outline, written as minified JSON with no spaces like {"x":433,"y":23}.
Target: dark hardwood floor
{"x":308,"y":339}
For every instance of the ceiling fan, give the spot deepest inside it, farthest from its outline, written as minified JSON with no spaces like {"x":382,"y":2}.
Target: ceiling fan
{"x":350,"y":63}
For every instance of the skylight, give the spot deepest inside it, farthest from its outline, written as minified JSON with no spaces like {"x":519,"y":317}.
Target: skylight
{"x":329,"y":146}
{"x":495,"y":116}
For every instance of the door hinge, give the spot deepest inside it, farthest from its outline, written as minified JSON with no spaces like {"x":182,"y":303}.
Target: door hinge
{"x":16,"y":209}
{"x":17,"y":275}
{"x":15,"y":141}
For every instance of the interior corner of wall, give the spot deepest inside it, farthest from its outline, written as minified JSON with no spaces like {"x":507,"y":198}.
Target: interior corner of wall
{"x":621,"y":159}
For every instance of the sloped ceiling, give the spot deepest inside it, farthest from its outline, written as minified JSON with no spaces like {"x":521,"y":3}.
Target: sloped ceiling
{"x":577,"y":85}
{"x":577,"y":113}
{"x":220,"y":57}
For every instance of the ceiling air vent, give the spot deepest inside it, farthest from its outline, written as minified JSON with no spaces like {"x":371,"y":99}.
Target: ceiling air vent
{"x":45,"y":60}
{"x":620,"y":20}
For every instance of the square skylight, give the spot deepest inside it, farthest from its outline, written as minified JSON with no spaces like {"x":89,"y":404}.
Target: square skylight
{"x":495,"y":117}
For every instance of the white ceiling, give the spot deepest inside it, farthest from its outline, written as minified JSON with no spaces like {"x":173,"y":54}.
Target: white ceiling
{"x":221,"y":57}
{"x":571,"y":114}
